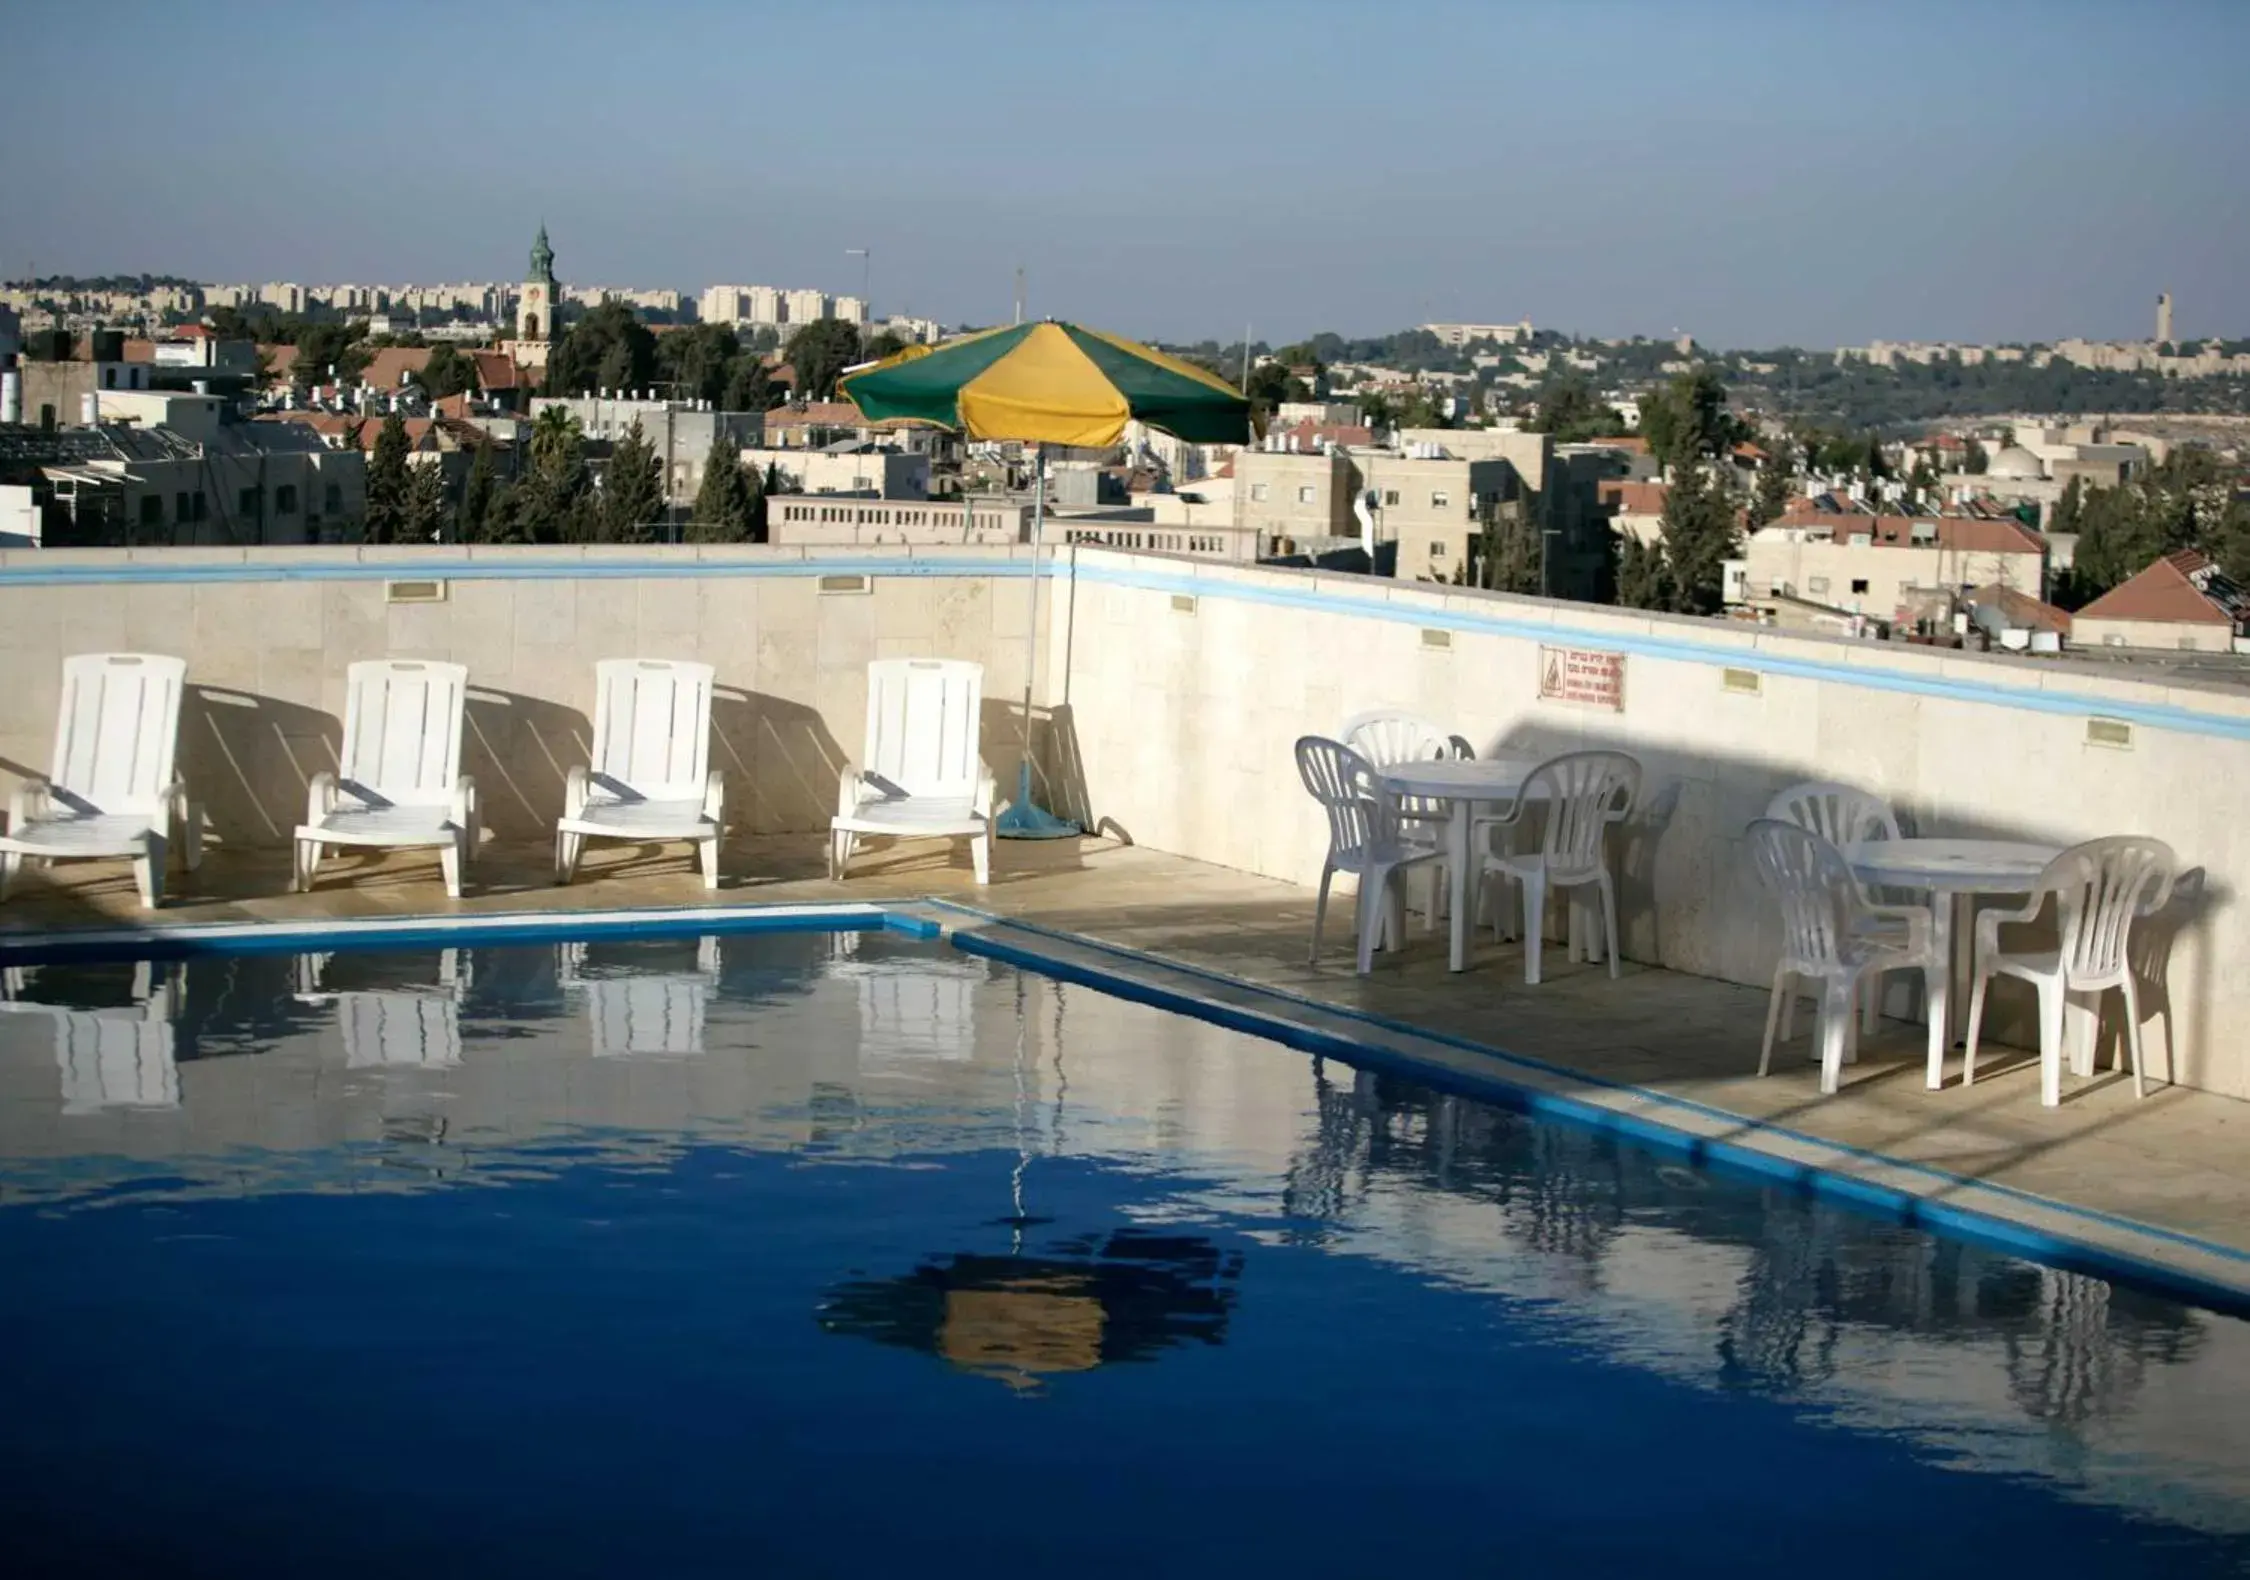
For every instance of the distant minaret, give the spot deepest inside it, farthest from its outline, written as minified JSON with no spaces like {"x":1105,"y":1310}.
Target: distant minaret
{"x":2164,"y":318}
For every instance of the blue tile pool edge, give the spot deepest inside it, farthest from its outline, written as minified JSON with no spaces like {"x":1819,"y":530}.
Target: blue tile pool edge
{"x":1743,"y":1159}
{"x":179,"y":940}
{"x":1757,"y":1159}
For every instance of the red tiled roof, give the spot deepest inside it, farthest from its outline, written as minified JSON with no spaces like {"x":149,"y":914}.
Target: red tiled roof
{"x":1308,"y":433}
{"x":496,"y":370}
{"x":195,"y":332}
{"x":387,"y":368}
{"x":2022,"y":609}
{"x":1631,"y":444}
{"x":279,"y":360}
{"x":2164,"y":593}
{"x":1955,"y":534}
{"x":1623,"y":498}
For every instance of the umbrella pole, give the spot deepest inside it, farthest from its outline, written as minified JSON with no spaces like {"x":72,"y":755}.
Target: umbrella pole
{"x":1025,"y":818}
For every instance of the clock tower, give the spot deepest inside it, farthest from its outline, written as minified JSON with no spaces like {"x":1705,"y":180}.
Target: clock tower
{"x":535,"y":306}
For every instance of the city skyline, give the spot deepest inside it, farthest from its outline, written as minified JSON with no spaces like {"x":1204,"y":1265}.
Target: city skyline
{"x":2020,"y":173}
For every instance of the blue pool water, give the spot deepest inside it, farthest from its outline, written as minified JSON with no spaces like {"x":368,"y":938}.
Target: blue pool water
{"x":811,"y":1254}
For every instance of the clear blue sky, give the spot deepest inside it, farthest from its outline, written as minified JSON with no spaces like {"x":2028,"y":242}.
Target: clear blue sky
{"x":1755,"y":172}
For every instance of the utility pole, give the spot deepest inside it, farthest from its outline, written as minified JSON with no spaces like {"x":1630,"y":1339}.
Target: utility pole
{"x":1019,"y":293}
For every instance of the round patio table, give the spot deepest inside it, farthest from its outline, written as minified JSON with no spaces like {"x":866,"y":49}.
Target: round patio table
{"x":1465,"y":783}
{"x":1954,"y":872}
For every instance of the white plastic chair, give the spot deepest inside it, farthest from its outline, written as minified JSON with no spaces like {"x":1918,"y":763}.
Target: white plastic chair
{"x":1832,"y":934}
{"x":650,"y":779}
{"x":639,"y":1014}
{"x":113,"y":791}
{"x":1842,"y":815}
{"x":1583,"y":793}
{"x":1386,"y":737}
{"x":398,"y":782}
{"x":2100,"y":888}
{"x":410,"y":1027}
{"x":1364,"y":839}
{"x":123,"y":1057}
{"x":920,"y":775}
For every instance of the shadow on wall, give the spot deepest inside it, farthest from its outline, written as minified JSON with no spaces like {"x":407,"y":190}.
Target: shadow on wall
{"x":1058,"y":770}
{"x":1681,"y":862}
{"x":782,"y":763}
{"x":520,"y":750}
{"x":248,"y":760}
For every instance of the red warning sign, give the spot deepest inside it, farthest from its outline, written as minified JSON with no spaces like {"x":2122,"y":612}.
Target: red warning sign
{"x":1582,"y":675}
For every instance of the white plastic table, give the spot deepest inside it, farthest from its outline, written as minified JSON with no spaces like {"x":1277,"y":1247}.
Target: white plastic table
{"x":1464,"y":783}
{"x":1953,"y":871}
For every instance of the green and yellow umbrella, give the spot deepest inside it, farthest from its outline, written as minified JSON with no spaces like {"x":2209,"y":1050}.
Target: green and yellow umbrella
{"x":1047,"y":383}
{"x":1050,"y":383}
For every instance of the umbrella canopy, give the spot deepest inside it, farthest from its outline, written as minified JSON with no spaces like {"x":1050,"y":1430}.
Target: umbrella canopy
{"x":1050,"y":383}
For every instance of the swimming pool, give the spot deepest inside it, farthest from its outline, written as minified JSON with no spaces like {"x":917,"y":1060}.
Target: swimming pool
{"x":813,"y":1253}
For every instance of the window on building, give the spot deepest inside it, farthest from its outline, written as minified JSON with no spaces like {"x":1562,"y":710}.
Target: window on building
{"x":332,"y":498}
{"x":285,"y":500}
{"x":1258,"y":492}
{"x":246,"y":504}
{"x":152,"y":510}
{"x":1305,"y":495}
{"x":1437,"y":549}
{"x":1390,"y":496}
{"x":1859,"y":584}
{"x":109,"y":378}
{"x":46,"y":416}
{"x":1439,"y":499}
{"x":1816,"y":584}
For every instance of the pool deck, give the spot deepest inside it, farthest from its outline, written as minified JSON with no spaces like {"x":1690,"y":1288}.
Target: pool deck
{"x":1677,"y":1049}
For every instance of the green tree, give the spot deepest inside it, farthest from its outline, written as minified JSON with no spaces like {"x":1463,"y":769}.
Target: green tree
{"x":1699,"y":537}
{"x":722,"y":504}
{"x":427,"y":507}
{"x":552,"y":503}
{"x":632,"y":498}
{"x":884,"y":343}
{"x":1687,"y":419}
{"x":819,"y":352}
{"x":1976,"y":460}
{"x":1644,"y":575}
{"x":1508,"y":554}
{"x":696,"y":362}
{"x":2067,"y":508}
{"x":325,"y":347}
{"x":608,"y":349}
{"x":387,"y":483}
{"x":1769,"y":501}
{"x":473,"y":522}
{"x":747,"y":388}
{"x":447,"y":372}
{"x":1571,"y":411}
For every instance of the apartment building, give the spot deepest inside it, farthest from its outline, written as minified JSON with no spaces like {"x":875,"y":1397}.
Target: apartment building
{"x":234,"y":484}
{"x":849,"y":469}
{"x":681,"y":432}
{"x":1888,"y":567}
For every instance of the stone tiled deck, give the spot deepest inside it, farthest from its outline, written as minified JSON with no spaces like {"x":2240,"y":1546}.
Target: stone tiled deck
{"x":2178,"y":1160}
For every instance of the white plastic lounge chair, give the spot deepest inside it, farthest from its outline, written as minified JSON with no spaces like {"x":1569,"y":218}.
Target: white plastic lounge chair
{"x":1833,"y":935}
{"x":124,"y":1057}
{"x":410,"y":1027}
{"x":920,"y":776}
{"x":1583,"y":793}
{"x":2101,"y":888}
{"x":1364,"y":838}
{"x":398,"y":781}
{"x":650,"y":780}
{"x":641,"y":1013}
{"x":113,"y":792}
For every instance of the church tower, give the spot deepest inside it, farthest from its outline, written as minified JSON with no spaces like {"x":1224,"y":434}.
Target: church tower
{"x":535,"y":306}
